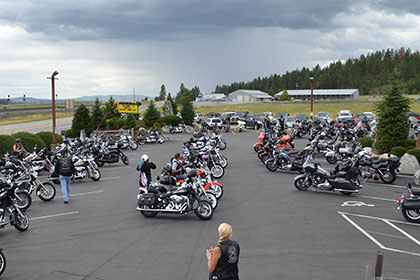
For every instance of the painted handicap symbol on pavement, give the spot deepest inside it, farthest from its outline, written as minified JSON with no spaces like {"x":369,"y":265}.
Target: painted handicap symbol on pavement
{"x":356,"y":203}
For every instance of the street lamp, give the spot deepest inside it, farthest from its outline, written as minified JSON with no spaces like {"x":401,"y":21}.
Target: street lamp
{"x":53,"y":78}
{"x":312,"y":97}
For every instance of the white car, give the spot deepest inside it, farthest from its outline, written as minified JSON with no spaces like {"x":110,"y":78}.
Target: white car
{"x":324,"y":115}
{"x":290,"y":121}
{"x":344,"y":116}
{"x":215,"y":122}
{"x":198,"y":117}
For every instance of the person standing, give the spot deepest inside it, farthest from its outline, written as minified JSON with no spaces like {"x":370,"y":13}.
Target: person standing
{"x":223,"y":260}
{"x":267,"y":127}
{"x":145,"y":167}
{"x":65,"y":169}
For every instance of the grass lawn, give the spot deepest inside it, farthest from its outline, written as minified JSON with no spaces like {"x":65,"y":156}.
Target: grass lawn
{"x":364,"y":104}
{"x":33,"y":118}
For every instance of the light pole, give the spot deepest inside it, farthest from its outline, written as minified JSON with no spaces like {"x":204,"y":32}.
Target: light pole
{"x":53,"y":78}
{"x":312,"y":97}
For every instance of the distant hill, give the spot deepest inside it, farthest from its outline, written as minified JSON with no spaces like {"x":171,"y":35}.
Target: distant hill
{"x":102,"y":98}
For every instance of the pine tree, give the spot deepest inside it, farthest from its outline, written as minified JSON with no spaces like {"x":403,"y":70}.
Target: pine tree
{"x":285,"y":96}
{"x":174,"y":105}
{"x":152,"y":115}
{"x":81,"y":120}
{"x":97,"y":114}
{"x":392,"y":113}
{"x":130,"y":122}
{"x":110,"y":108}
{"x":162,"y":93}
{"x":187,"y":111}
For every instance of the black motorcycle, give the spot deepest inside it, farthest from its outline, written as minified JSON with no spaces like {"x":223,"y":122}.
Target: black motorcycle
{"x":185,"y":199}
{"x":345,"y":182}
{"x":109,"y":155}
{"x":285,"y":160}
{"x":410,"y":205}
{"x":2,"y":261}
{"x":10,"y":212}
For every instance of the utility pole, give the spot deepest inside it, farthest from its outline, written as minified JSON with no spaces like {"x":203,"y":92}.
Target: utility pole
{"x":312,"y":97}
{"x":54,"y":138}
{"x":134,"y":95}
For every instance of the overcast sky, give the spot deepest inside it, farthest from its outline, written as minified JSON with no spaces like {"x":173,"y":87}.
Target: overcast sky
{"x":111,"y":47}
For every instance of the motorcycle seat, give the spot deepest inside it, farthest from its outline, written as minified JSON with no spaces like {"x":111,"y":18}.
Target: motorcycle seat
{"x":337,"y":175}
{"x":376,"y":161}
{"x":378,"y":165}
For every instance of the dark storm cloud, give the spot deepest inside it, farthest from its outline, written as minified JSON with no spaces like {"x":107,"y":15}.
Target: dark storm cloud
{"x":150,"y":20}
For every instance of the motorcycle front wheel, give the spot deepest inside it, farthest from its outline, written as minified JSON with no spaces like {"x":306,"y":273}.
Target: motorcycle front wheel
{"x":301,"y":185}
{"x":124,"y":159}
{"x":213,"y":200}
{"x":223,"y":161}
{"x":21,"y":221}
{"x":46,"y":191}
{"x":204,"y":211}
{"x":413,"y":216}
{"x":218,"y":190}
{"x":23,"y":200}
{"x":161,"y":140}
{"x":331,"y":159}
{"x":272,"y":166}
{"x":222,"y":144}
{"x":217,"y":171}
{"x":96,"y":175}
{"x":2,"y":262}
{"x":133,"y":146}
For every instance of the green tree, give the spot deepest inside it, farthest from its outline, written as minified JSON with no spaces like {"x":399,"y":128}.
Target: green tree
{"x":162,"y":93}
{"x":285,"y":96}
{"x":81,"y":120}
{"x":392,"y":113}
{"x":97,"y":114}
{"x":187,"y":111}
{"x":130,"y":122}
{"x":152,"y":115}
{"x":174,"y":105}
{"x":110,"y":108}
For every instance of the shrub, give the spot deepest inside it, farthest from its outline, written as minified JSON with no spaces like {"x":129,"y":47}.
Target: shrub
{"x":398,"y":151}
{"x":285,"y":96}
{"x":130,"y":122}
{"x":69,"y":134}
{"x":366,"y":142}
{"x":171,"y":119}
{"x":6,"y":144}
{"x":29,"y":141}
{"x":410,"y":144}
{"x":46,"y":136}
{"x":111,"y":124}
{"x":157,"y":125}
{"x":120,"y":122}
{"x":415,"y":152}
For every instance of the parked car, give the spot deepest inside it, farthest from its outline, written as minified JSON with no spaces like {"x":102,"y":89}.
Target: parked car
{"x":361,"y":117}
{"x":281,"y":114}
{"x":213,"y":122}
{"x":290,"y":121}
{"x":325,"y":116}
{"x":241,"y":115}
{"x":301,"y":118}
{"x":371,"y":116}
{"x":344,"y":116}
{"x":226,"y":116}
{"x":255,"y":121}
{"x":413,"y":114}
{"x":212,"y":115}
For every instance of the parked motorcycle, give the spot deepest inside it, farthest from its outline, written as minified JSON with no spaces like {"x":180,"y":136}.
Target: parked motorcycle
{"x":2,"y":261}
{"x":183,"y":200}
{"x":320,"y":179}
{"x":177,"y":129}
{"x":128,"y":141}
{"x":410,"y":205}
{"x":10,"y":212}
{"x":153,"y":137}
{"x":109,"y":155}
{"x":283,"y":160}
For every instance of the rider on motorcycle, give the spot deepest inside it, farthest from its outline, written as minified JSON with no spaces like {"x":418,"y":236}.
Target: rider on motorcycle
{"x":177,"y":169}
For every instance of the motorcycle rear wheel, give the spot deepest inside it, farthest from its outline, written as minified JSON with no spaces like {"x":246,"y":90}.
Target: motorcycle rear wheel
{"x":204,"y":211}
{"x":46,"y":191}
{"x":2,"y":262}
{"x":301,"y":185}
{"x":23,"y":200}
{"x":22,"y":221}
{"x":413,"y":216}
{"x":148,"y":214}
{"x":388,"y":177}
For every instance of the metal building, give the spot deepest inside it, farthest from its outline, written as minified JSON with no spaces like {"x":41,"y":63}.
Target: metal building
{"x":321,"y":94}
{"x":245,"y":95}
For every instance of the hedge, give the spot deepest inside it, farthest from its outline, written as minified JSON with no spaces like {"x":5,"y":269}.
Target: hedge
{"x":46,"y":136}
{"x":415,"y":152}
{"x":398,"y":151}
{"x":29,"y":141}
{"x":6,"y":144}
{"x":171,"y":119}
{"x":410,"y":144}
{"x":366,"y":142}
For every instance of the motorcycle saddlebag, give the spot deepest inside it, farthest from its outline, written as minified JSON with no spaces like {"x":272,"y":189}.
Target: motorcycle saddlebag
{"x":341,"y":183}
{"x":147,"y":199}
{"x":412,"y":203}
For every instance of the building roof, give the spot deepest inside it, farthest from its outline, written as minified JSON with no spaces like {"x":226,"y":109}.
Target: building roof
{"x":251,"y":92}
{"x":307,"y":92}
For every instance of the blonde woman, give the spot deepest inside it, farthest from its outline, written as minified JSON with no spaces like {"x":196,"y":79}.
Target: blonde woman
{"x":223,"y":259}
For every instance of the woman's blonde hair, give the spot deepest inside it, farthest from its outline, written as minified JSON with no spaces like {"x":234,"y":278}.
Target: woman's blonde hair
{"x":225,"y":232}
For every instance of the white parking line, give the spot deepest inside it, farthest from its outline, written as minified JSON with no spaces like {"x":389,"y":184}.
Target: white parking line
{"x":74,"y":194}
{"x":378,"y":198}
{"x":403,"y":232}
{"x":111,"y":178}
{"x":376,"y":218}
{"x":54,"y":215}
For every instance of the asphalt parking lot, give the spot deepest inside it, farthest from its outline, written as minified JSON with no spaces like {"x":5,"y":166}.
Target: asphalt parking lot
{"x":283,"y":233}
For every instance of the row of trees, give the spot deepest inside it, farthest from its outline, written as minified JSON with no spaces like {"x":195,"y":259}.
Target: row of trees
{"x":369,"y":73}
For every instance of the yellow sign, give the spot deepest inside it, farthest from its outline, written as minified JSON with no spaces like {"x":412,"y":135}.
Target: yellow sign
{"x":128,"y":108}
